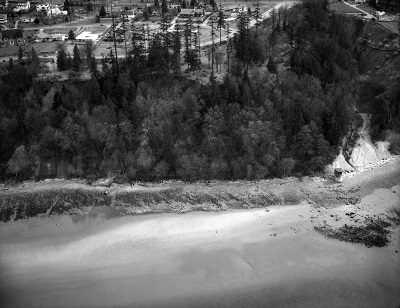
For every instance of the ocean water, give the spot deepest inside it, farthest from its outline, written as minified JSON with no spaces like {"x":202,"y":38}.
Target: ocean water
{"x":196,"y":259}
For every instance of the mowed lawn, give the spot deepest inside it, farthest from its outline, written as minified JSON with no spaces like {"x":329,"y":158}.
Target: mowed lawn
{"x":48,"y":47}
{"x":342,"y":8}
{"x":390,"y":25}
{"x":8,"y":51}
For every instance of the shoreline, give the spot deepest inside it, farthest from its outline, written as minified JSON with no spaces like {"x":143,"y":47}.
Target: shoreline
{"x":363,"y":209}
{"x":83,"y":255}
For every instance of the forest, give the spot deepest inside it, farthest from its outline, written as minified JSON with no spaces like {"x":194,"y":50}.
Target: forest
{"x":282,"y":109}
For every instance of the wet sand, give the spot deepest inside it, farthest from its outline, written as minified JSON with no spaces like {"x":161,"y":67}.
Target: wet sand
{"x":237,"y":258}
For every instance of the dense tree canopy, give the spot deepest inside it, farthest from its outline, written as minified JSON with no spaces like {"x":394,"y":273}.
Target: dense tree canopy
{"x":138,"y":121}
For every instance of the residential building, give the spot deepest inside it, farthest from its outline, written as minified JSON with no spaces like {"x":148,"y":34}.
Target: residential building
{"x":128,"y":15}
{"x":22,"y":7}
{"x":3,"y":5}
{"x":12,"y":37}
{"x":172,"y":6}
{"x":42,"y":7}
{"x":59,"y":37}
{"x":27,"y":20}
{"x":87,"y":36}
{"x":198,"y":12}
{"x":3,"y":18}
{"x":188,"y":13}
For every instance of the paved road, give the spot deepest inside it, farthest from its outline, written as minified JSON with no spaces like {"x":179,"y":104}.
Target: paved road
{"x":367,"y":16}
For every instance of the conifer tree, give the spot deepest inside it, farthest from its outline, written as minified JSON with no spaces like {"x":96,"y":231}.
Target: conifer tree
{"x":66,"y":6}
{"x":221,"y":23}
{"x":242,"y":40}
{"x":20,"y":54}
{"x":212,"y":51}
{"x":257,"y":16}
{"x":188,"y":42}
{"x":164,"y":8}
{"x":94,"y":72}
{"x":34,"y":57}
{"x":325,"y":5}
{"x":272,"y":67}
{"x":137,"y":42}
{"x":228,"y":47}
{"x":62,"y":64}
{"x":102,"y":12}
{"x":195,"y":53}
{"x":166,"y":39}
{"x":71,"y":35}
{"x":177,"y":45}
{"x":76,"y":60}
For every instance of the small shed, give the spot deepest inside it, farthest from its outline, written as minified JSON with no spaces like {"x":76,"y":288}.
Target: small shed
{"x":338,"y":174}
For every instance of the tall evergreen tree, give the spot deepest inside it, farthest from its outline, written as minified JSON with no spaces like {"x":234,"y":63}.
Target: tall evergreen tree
{"x":102,"y":12}
{"x":62,"y":64}
{"x":76,"y":59}
{"x":71,"y":35}
{"x":212,"y":77}
{"x":188,"y":42}
{"x":228,"y":47}
{"x":20,"y":53}
{"x":164,"y":8}
{"x":94,"y":72}
{"x":195,"y":52}
{"x":177,"y":45}
{"x":257,"y":15}
{"x":242,"y":40}
{"x":10,"y":64}
{"x":34,"y":57}
{"x":220,"y":23}
{"x":67,"y":6}
{"x":272,"y":67}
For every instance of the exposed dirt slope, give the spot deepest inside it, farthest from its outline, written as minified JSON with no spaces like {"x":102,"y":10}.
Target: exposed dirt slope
{"x":366,"y":153}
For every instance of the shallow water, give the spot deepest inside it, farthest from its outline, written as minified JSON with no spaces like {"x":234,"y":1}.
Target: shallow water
{"x":197,"y":259}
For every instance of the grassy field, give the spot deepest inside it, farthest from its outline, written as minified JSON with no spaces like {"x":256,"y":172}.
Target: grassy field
{"x":342,"y":8}
{"x":48,"y":47}
{"x":390,"y":25}
{"x":8,"y":51}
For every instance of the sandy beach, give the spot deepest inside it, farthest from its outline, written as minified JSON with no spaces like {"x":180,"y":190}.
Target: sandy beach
{"x":237,"y":258}
{"x":271,"y":256}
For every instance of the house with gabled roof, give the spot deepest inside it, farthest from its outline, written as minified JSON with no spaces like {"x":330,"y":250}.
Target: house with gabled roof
{"x":22,"y":7}
{"x":13,"y":37}
{"x":186,"y":13}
